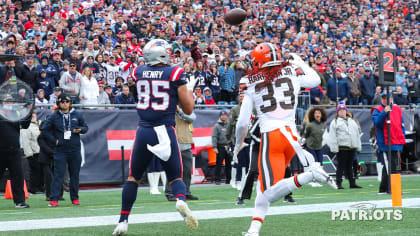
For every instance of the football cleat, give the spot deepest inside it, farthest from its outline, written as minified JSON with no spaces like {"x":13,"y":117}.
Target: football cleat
{"x":53,"y":204}
{"x":121,"y":228}
{"x":320,"y":175}
{"x":186,"y":213}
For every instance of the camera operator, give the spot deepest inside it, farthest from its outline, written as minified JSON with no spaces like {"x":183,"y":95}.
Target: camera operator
{"x":10,"y":156}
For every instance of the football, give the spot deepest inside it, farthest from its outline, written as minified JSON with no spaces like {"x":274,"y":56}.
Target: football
{"x":235,"y":16}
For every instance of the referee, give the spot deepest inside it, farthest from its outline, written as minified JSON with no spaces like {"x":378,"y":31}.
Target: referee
{"x":63,"y":127}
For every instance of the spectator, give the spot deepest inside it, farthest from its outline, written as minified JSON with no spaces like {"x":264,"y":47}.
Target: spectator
{"x":379,"y":117}
{"x":112,"y":71}
{"x":117,"y":89}
{"x":399,"y":98}
{"x":340,"y":84}
{"x":102,"y":95}
{"x":125,"y":98}
{"x":133,"y":89}
{"x":199,"y":97}
{"x":402,"y":81}
{"x":344,"y":139}
{"x":226,"y":80}
{"x":54,"y":96}
{"x":201,"y":75}
{"x":208,"y":98}
{"x":27,"y":72}
{"x":70,"y":82}
{"x":108,"y":91}
{"x":40,"y":99}
{"x":45,"y":83}
{"x":89,"y":90}
{"x":316,"y":94}
{"x":354,"y":87}
{"x":94,"y":67}
{"x":367,"y":87}
{"x":313,"y":132}
{"x":377,"y":98}
{"x":214,"y":81}
{"x":63,"y":128}
{"x":31,"y":150}
{"x":219,"y":143}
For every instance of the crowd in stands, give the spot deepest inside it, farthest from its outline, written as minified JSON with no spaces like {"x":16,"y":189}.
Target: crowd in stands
{"x":88,"y":49}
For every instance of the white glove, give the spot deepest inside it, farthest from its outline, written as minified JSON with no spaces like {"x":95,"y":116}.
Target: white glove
{"x":191,"y":84}
{"x":237,"y":150}
{"x":297,"y":60}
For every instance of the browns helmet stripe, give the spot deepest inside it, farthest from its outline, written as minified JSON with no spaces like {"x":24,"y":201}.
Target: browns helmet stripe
{"x":273,"y":51}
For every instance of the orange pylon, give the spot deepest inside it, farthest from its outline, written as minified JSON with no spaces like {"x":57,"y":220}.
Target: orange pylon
{"x":8,"y":193}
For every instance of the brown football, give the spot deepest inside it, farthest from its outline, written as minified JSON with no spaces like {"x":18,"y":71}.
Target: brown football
{"x":235,"y":16}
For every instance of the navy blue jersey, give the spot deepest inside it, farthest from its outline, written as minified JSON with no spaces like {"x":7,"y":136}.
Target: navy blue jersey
{"x":157,"y":89}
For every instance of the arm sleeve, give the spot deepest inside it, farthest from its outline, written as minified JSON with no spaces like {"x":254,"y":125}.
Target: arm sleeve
{"x":47,"y":128}
{"x":243,"y":120}
{"x":63,"y":83}
{"x":333,"y":144}
{"x":378,"y":118}
{"x":188,"y":118}
{"x":214,"y":135}
{"x":309,"y":78}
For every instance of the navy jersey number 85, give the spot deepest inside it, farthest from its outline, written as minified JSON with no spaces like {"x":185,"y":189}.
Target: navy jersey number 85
{"x":157,"y":93}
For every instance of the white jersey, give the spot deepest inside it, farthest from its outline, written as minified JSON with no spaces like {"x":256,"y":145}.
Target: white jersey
{"x":276,"y":102}
{"x":111,"y":72}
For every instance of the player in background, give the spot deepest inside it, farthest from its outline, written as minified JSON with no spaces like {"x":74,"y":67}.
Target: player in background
{"x":160,"y":88}
{"x":272,"y":88}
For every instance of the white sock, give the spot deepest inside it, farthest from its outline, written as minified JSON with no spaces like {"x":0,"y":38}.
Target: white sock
{"x":255,"y":226}
{"x":280,"y":189}
{"x":261,"y":205}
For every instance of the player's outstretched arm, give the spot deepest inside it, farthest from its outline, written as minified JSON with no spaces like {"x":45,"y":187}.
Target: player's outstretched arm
{"x":186,"y":99}
{"x":243,"y":120}
{"x":309,"y":78}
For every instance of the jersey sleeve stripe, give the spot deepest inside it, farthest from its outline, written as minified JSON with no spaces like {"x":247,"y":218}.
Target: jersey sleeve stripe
{"x":134,"y":74}
{"x":299,"y":71}
{"x":176,"y":73}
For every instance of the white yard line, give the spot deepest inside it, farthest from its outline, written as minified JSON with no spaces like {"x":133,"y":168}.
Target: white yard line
{"x":201,"y":215}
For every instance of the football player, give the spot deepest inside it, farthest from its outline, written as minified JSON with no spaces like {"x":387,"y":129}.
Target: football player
{"x":272,"y":88}
{"x":160,"y":88}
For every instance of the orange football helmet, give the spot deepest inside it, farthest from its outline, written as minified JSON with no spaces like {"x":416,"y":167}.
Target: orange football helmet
{"x":263,"y":53}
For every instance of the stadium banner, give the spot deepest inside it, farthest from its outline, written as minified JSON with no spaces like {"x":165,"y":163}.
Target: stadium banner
{"x":109,"y":130}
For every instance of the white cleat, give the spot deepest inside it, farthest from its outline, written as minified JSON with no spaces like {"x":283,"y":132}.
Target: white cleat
{"x":250,"y":234}
{"x":320,"y":175}
{"x":186,"y":213}
{"x":121,"y":228}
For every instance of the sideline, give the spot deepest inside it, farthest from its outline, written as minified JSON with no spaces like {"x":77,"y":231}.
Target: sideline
{"x":201,"y":215}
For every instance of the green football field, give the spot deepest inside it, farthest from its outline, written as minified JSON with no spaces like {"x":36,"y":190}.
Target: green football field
{"x":217,"y":213}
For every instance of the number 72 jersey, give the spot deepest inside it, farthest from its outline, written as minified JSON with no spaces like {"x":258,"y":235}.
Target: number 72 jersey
{"x":276,"y":102}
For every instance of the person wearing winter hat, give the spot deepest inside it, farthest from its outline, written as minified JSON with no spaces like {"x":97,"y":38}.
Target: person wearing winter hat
{"x":344,"y":139}
{"x":208,"y":98}
{"x":219,"y":143}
